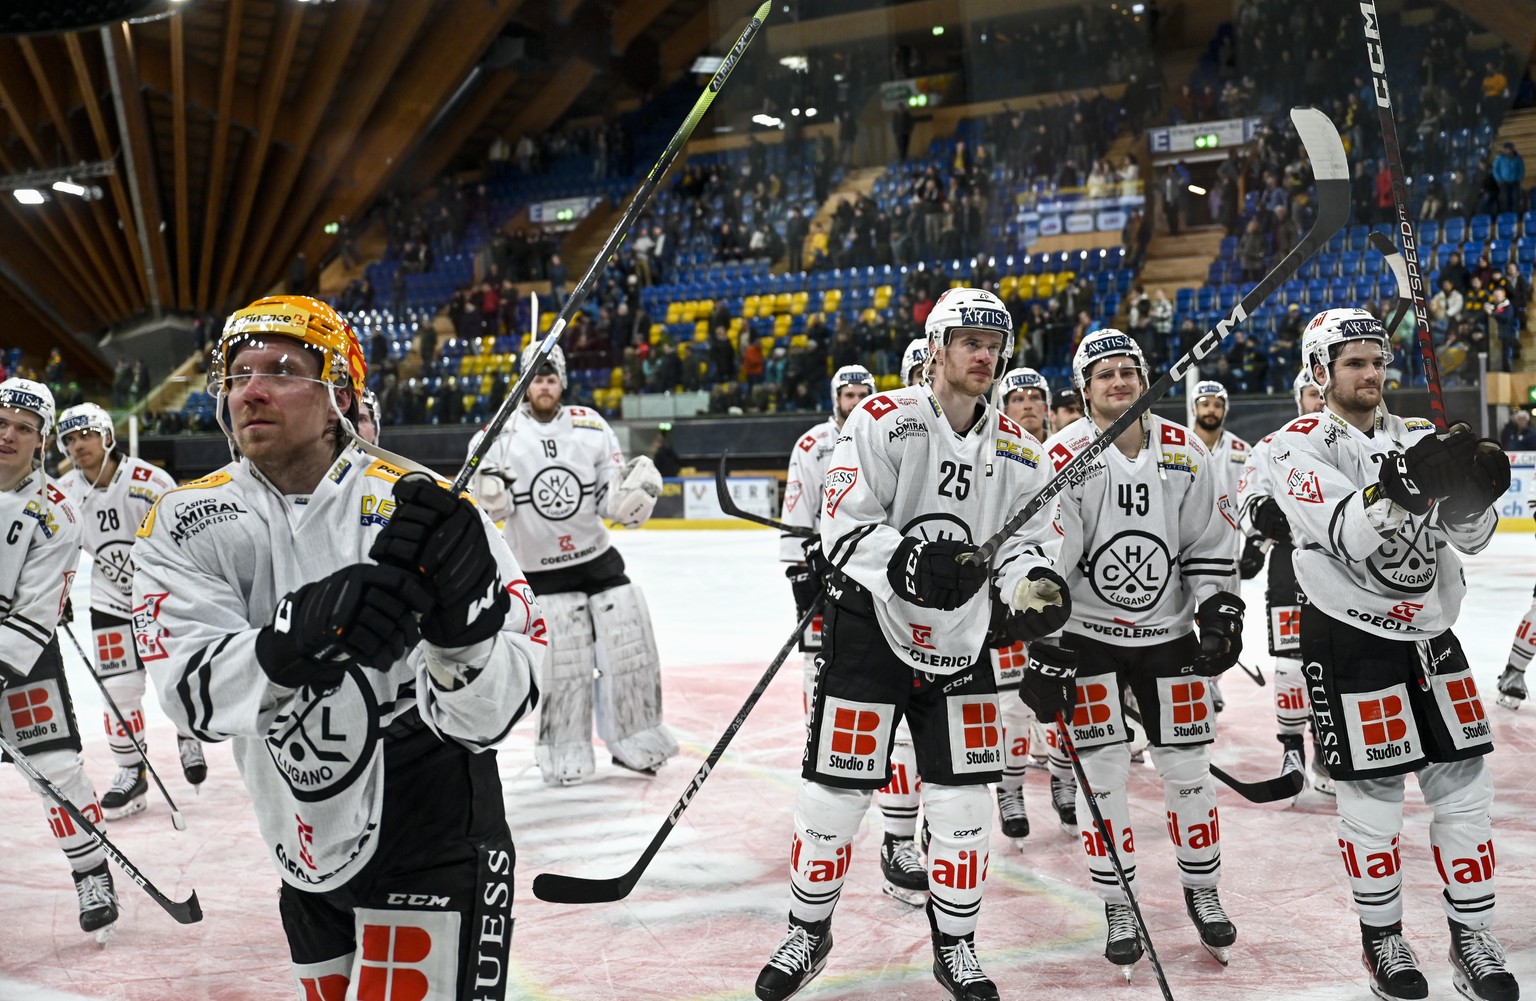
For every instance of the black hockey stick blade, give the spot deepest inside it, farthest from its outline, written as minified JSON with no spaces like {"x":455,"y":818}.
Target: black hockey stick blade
{"x":1398,"y":265}
{"x":1285,"y":786}
{"x":729,"y":506}
{"x":559,"y":889}
{"x":1256,"y":673}
{"x":1330,"y":168}
{"x":185,"y":912}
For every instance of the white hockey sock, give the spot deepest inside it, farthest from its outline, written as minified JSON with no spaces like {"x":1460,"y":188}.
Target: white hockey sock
{"x":1524,"y":646}
{"x":1108,"y":768}
{"x":1017,"y":718}
{"x":807,"y":683}
{"x":1291,"y":705}
{"x":1189,"y":797}
{"x":960,"y":823}
{"x":898,"y":799}
{"x":1370,"y":820}
{"x":66,"y":770}
{"x":127,"y":690}
{"x":826,"y":820}
{"x":1460,"y":794}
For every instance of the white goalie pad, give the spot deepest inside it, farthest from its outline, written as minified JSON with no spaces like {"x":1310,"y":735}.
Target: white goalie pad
{"x":564,"y":749}
{"x":633,"y":500}
{"x":629,"y":680}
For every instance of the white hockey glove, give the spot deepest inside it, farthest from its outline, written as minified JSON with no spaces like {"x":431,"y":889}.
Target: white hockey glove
{"x":1041,"y":605}
{"x":632,"y":501}
{"x":492,"y":487}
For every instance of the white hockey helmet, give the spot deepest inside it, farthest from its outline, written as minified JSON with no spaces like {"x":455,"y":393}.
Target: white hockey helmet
{"x":1300,"y":383}
{"x":1332,"y":329}
{"x":555,"y":362}
{"x":1210,"y":387}
{"x":970,"y":309}
{"x":86,"y":417}
{"x":1101,"y":344}
{"x":1021,"y":378}
{"x":25,"y":394}
{"x":914,"y":357}
{"x":850,"y":375}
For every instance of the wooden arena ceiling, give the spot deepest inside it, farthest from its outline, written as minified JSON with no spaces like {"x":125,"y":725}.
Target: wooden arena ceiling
{"x":250,"y":124}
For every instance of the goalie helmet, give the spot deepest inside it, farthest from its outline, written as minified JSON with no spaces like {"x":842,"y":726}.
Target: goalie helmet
{"x":970,"y":309}
{"x":310,"y":322}
{"x":554,"y":363}
{"x":1210,"y":387}
{"x":1022,"y":378}
{"x":1331,"y":329}
{"x":24,"y":394}
{"x":850,"y":375}
{"x":86,"y":417}
{"x":1101,"y":344}
{"x":914,"y":361}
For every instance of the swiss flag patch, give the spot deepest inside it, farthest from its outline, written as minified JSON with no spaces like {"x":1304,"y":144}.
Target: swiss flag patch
{"x":1303,"y":425}
{"x":878,"y":407}
{"x":1060,"y":456}
{"x":807,"y":443}
{"x":1173,"y":435}
{"x":1009,"y":427}
{"x":1304,"y":487}
{"x":142,"y":474}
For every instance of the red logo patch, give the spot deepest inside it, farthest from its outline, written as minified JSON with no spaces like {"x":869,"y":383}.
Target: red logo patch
{"x":853,"y":731}
{"x":1009,"y":427}
{"x":1188,"y":702}
{"x":1092,"y":705}
{"x":390,"y":955}
{"x":1060,"y":456}
{"x":1302,"y":425}
{"x":1173,"y":435}
{"x":142,"y":474}
{"x":840,"y":480}
{"x":921,"y":635}
{"x":1382,"y":720}
{"x":1463,"y":693}
{"x":979,"y":723}
{"x":1404,"y":611}
{"x":807,"y":443}
{"x":1304,"y":487}
{"x":29,"y":707}
{"x":1290,"y":622}
{"x":878,"y":407}
{"x":148,"y":634}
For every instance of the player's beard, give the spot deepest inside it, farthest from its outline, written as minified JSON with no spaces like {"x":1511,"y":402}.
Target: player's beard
{"x":1209,"y":422}
{"x":544,"y":408}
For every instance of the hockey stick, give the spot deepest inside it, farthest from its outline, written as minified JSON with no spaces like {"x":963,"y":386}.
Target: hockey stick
{"x":1410,"y":243}
{"x":122,"y":720}
{"x":1331,"y":170}
{"x":559,"y":889}
{"x":185,"y":912}
{"x":1102,"y":828}
{"x":1399,"y":268}
{"x":1256,"y":673}
{"x":1287,"y":785}
{"x":583,"y":288}
{"x":728,"y":505}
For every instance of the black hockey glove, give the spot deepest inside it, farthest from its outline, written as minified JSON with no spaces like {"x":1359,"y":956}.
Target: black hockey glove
{"x":1041,"y":605}
{"x":1220,"y":618}
{"x":442,"y":538}
{"x":804,"y":583}
{"x":1429,"y":471}
{"x":1049,"y":685}
{"x":1271,"y":521}
{"x":929,"y":573}
{"x":1486,"y":479}
{"x":1252,"y":560}
{"x":364,"y":613}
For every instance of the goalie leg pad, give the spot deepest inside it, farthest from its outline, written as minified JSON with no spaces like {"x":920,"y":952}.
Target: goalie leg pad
{"x":629,"y":680}
{"x":127,"y":690}
{"x":1460,"y":796}
{"x":898,"y":799}
{"x":564,"y":748}
{"x":960,"y":825}
{"x":1291,"y":704}
{"x":66,"y":770}
{"x":1108,"y":768}
{"x":826,"y":820}
{"x":1189,"y":797}
{"x":1370,"y":820}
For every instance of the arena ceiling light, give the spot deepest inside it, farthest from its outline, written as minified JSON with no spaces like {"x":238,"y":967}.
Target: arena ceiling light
{"x":29,"y":196}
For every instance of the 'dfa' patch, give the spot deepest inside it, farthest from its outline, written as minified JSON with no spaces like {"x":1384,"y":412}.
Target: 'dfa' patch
{"x":1304,"y":487}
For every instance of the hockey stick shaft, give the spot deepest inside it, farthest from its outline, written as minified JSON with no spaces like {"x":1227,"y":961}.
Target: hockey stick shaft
{"x":185,"y":912}
{"x":560,"y":889}
{"x":1331,"y":171}
{"x":1272,"y":790}
{"x":1371,"y":25}
{"x":729,"y":506}
{"x":1104,"y":832}
{"x":589,"y":280}
{"x":122,"y":721}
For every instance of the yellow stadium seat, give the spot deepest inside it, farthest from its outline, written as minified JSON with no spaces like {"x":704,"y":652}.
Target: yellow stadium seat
{"x":487,"y":383}
{"x":616,"y":379}
{"x":682,"y":350}
{"x":546,"y":320}
{"x":882,"y":297}
{"x":735,"y":326}
{"x":701,"y":330}
{"x":781,"y":303}
{"x":798,"y":341}
{"x":749,"y":306}
{"x":888,"y":383}
{"x":1005,"y":288}
{"x":656,"y":334}
{"x":674,"y":312}
{"x":870,"y":315}
{"x":781,"y":325}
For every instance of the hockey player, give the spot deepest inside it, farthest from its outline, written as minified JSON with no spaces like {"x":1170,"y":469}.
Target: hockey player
{"x":1149,"y":554}
{"x":113,"y":491}
{"x":364,"y":638}
{"x":37,"y":566}
{"x":914,"y":361}
{"x":1066,"y":407}
{"x":1229,"y":454}
{"x":1378,"y":507}
{"x":1025,"y":397}
{"x":1259,"y":515}
{"x":552,"y":475}
{"x":916,"y":479}
{"x":368,"y":417}
{"x":1512,"y":689}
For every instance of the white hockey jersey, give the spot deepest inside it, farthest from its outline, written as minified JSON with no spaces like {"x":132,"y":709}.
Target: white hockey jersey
{"x":1228,"y":459}
{"x":1402,"y":582}
{"x":560,"y":473}
{"x":808,"y":462}
{"x":37,"y":567}
{"x":111,"y":513}
{"x":899,"y":469}
{"x":213,"y":559}
{"x":1141,"y":542}
{"x":1255,"y":484}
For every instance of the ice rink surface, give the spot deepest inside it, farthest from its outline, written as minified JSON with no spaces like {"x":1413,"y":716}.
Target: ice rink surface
{"x":711,"y":908}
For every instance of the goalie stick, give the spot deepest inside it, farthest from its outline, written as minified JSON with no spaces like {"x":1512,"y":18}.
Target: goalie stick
{"x":728,"y":505}
{"x":1331,"y":171}
{"x":185,"y":912}
{"x":1114,"y":856}
{"x":560,"y":889}
{"x":1287,"y":785}
{"x":599,"y":263}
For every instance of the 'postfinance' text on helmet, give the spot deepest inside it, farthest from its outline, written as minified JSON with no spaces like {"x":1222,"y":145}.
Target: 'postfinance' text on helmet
{"x":310,"y":322}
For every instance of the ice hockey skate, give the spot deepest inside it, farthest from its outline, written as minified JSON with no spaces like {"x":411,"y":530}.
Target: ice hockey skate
{"x":128,"y":795}
{"x":906,"y":878}
{"x":98,"y":902}
{"x":1217,"y":933}
{"x":193,"y":765}
{"x":1512,"y":687}
{"x":1010,"y":808}
{"x":1123,"y":944}
{"x":1064,"y":800}
{"x":956,"y":967}
{"x":1477,"y":966}
{"x":1393,"y":967}
{"x":797,"y":960}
